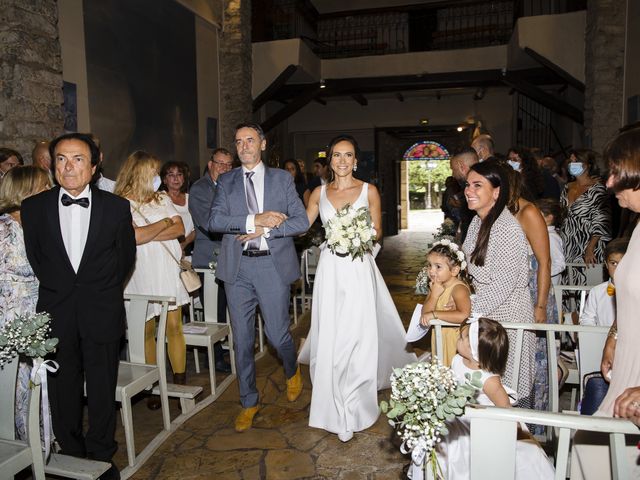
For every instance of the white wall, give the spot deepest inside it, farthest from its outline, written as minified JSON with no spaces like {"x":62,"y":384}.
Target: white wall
{"x":340,"y":116}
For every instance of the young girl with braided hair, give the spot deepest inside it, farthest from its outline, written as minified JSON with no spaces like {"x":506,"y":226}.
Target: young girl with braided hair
{"x":449,"y":297}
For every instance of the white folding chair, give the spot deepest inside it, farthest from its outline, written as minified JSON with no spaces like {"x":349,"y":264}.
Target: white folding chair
{"x":135,"y":375}
{"x":493,"y":439}
{"x":308,"y":266}
{"x":16,"y":455}
{"x":213,"y":332}
{"x":589,"y":352}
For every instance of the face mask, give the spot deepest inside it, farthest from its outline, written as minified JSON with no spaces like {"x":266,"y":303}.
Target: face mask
{"x":515,"y":165}
{"x":576,"y":169}
{"x":156,"y":183}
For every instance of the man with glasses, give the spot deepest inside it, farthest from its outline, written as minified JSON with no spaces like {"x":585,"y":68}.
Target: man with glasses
{"x":207,"y":244}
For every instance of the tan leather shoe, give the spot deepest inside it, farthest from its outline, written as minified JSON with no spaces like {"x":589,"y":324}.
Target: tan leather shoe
{"x":294,"y":386}
{"x":244,"y":420}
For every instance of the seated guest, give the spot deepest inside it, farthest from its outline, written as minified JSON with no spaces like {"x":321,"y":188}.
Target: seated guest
{"x":8,"y":159}
{"x":18,"y":283}
{"x":102,"y":182}
{"x":600,"y":307}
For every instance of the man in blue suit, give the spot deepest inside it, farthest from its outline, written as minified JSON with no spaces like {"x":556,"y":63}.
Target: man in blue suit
{"x":259,"y":211}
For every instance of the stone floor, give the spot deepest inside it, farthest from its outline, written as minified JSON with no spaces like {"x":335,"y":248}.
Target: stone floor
{"x":280,"y":445}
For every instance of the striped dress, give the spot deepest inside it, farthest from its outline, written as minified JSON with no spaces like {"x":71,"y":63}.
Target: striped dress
{"x":589,"y":215}
{"x":502,"y":293}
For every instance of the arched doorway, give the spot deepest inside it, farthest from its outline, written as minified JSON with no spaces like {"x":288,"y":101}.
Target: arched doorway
{"x":423,"y":171}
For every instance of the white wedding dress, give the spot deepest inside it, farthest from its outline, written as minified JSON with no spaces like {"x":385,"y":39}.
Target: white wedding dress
{"x":356,"y":337}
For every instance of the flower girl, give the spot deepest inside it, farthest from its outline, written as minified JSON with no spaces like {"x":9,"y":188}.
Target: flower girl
{"x":483,"y":348}
{"x":449,"y":297}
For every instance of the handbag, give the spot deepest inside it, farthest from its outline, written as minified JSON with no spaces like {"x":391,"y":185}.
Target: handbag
{"x":190,"y":279}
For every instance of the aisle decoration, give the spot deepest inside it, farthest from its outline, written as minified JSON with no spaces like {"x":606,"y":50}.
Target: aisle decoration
{"x":422,"y":281}
{"x":26,"y":335}
{"x":424,"y":396}
{"x":446,"y":231}
{"x":351,"y":232}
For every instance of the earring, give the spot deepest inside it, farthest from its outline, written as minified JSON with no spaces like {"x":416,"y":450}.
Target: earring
{"x":355,"y":167}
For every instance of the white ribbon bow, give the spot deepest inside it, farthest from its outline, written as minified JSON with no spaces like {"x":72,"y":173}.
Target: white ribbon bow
{"x":39,"y":377}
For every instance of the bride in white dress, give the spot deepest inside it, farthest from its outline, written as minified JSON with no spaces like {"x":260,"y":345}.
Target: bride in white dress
{"x":356,"y":335}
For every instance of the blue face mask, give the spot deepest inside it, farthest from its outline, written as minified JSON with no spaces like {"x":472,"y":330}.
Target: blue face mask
{"x":515,"y":165}
{"x":576,"y":169}
{"x":156,"y":183}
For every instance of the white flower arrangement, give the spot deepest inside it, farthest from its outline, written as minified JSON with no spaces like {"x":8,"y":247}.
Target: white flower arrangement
{"x":424,"y":396}
{"x":447,"y":230}
{"x":26,"y":335}
{"x":422,"y":281}
{"x":350,"y":232}
{"x":455,"y":249}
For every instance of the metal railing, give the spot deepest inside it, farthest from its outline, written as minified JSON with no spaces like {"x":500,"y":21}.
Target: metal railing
{"x":414,"y":28}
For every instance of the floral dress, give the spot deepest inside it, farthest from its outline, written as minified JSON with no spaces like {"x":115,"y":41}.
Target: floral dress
{"x":541,"y":384}
{"x":18,"y":296}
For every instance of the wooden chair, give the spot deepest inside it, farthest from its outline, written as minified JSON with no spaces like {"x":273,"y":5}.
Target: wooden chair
{"x":136,"y":376}
{"x":16,"y":455}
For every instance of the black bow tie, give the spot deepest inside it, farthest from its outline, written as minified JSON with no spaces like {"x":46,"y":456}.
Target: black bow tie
{"x":67,"y":200}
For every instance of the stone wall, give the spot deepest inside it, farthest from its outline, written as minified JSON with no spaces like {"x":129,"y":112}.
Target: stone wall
{"x":30,"y":74}
{"x":604,"y":70}
{"x":235,"y":69}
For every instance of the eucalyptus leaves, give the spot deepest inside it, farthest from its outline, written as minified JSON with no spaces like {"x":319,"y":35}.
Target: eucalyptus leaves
{"x":424,"y":396}
{"x":26,"y":335}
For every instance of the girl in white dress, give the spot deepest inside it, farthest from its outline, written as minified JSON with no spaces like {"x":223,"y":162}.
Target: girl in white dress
{"x":483,"y":346}
{"x":356,"y":335}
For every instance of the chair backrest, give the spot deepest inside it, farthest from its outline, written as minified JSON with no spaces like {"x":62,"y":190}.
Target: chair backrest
{"x":8,"y":378}
{"x":594,"y":273}
{"x":559,"y":292}
{"x":136,"y":307}
{"x":589,"y":353}
{"x":550,"y":330}
{"x":490,"y":450}
{"x":309,"y":262}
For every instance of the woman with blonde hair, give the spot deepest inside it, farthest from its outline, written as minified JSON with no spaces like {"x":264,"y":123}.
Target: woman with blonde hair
{"x":18,"y":283}
{"x":157,"y":226}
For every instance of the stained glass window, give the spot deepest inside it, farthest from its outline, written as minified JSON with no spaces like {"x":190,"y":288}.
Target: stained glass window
{"x":426,"y":150}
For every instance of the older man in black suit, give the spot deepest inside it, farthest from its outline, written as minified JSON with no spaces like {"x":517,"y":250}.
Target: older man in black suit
{"x":81,"y":245}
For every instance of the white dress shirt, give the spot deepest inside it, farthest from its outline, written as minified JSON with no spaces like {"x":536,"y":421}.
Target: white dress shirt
{"x":600,"y":307}
{"x":74,"y":225}
{"x":258,"y":186}
{"x":557,"y":255}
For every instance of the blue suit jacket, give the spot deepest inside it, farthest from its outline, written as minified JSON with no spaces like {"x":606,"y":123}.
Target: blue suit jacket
{"x":201,"y":196}
{"x":229,"y":215}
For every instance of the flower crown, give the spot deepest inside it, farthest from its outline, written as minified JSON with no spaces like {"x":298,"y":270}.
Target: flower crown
{"x":455,"y":250}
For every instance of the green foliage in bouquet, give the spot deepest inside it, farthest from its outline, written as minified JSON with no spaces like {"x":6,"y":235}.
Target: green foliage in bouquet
{"x":26,"y":335}
{"x":351,"y":232}
{"x":424,"y":396}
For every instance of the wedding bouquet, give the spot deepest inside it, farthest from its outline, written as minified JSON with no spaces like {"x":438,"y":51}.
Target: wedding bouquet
{"x":26,"y":335}
{"x":350,"y":232}
{"x":422,"y":281}
{"x":424,"y":396}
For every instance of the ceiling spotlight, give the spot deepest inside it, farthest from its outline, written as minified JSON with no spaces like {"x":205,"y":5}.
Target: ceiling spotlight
{"x":460,"y":129}
{"x":424,"y":121}
{"x":322,"y":84}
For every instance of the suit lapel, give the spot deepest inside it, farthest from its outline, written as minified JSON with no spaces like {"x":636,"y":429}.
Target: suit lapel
{"x":95,"y":221}
{"x":54,"y":225}
{"x":238,"y":187}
